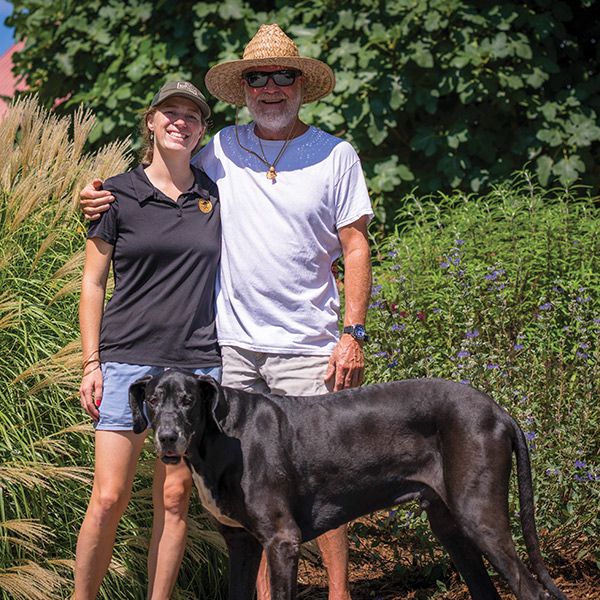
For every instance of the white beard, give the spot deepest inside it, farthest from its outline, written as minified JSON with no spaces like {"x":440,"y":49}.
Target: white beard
{"x":271,"y":119}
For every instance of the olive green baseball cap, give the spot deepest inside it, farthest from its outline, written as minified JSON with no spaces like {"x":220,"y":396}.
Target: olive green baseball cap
{"x":182,"y":89}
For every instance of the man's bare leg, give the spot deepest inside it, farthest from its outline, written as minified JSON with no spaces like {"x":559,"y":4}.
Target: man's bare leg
{"x":334,"y":550}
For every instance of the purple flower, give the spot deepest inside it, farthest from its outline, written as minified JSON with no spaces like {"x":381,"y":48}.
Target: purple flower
{"x":463,"y":354}
{"x":546,"y":306}
{"x":579,"y":464}
{"x":472,"y":334}
{"x":519,"y":346}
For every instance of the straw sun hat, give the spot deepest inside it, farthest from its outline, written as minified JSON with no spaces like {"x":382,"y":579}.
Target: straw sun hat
{"x":270,"y":46}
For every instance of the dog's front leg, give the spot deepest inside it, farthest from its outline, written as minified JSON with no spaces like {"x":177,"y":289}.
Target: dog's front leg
{"x":244,"y":559}
{"x":282,"y":558}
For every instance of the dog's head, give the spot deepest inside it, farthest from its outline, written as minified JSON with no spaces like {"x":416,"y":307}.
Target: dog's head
{"x":180,"y":406}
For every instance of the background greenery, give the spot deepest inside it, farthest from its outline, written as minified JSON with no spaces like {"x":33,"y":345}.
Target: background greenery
{"x":435,"y":94}
{"x":499,"y":290}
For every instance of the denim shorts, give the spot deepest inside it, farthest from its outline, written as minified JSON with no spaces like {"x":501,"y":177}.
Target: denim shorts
{"x":115,"y":414}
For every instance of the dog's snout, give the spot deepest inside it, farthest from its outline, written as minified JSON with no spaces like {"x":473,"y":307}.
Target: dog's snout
{"x":168,"y":437}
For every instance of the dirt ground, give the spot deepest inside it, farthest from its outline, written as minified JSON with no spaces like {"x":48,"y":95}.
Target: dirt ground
{"x":372,"y":577}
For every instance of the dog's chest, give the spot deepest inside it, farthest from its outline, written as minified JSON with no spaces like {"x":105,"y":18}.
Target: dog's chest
{"x":209,"y":503}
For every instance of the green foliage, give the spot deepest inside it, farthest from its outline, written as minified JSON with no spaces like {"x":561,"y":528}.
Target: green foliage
{"x":502,"y":292}
{"x":46,"y":444}
{"x":436,"y":95}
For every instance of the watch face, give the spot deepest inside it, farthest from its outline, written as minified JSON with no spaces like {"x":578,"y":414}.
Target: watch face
{"x":359,"y":331}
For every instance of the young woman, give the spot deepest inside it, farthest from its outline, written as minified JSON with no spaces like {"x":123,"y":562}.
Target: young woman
{"x":162,"y":235}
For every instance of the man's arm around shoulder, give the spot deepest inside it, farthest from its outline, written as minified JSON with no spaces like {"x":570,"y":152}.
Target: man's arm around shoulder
{"x":93,"y":200}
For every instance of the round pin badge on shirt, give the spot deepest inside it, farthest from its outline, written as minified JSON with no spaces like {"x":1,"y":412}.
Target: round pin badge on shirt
{"x":204,"y":205}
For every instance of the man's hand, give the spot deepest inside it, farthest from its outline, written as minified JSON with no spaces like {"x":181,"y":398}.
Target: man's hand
{"x":93,"y":200}
{"x":346,"y":364}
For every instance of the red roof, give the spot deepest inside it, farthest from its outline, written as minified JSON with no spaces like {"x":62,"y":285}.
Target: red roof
{"x":8,"y":82}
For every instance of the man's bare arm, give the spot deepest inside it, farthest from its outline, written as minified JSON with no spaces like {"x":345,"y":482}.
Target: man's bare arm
{"x":347,"y":361}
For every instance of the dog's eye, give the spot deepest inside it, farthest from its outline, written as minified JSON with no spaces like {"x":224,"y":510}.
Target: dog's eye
{"x":186,"y":400}
{"x":151,"y":400}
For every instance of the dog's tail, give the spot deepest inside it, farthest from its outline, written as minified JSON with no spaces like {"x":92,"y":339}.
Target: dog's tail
{"x":526,"y":504}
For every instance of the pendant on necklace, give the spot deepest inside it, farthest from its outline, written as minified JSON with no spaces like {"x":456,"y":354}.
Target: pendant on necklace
{"x":272,"y":174}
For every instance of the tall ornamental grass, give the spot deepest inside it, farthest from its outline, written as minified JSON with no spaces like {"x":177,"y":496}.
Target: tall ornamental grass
{"x":46,"y":442}
{"x":501,"y":292}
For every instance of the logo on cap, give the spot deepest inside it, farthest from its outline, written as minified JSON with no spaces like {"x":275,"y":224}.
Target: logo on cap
{"x":187,"y":87}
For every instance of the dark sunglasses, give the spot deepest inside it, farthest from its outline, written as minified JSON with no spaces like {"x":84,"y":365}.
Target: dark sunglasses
{"x":283,"y":78}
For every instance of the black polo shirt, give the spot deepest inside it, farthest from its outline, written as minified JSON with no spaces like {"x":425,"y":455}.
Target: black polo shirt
{"x":165,"y":261}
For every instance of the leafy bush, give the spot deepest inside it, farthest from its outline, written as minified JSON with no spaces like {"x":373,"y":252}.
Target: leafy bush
{"x":439,"y":94}
{"x":502,"y":292}
{"x":46,"y":443}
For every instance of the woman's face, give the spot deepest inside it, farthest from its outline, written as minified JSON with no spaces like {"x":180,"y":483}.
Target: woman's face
{"x":177,"y":125}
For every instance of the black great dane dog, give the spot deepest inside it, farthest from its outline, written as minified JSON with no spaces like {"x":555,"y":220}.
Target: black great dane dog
{"x":274,"y":472}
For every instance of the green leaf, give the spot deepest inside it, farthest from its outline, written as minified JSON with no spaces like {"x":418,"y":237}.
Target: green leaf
{"x":582,"y":129}
{"x":108,"y":124}
{"x":421,"y":54}
{"x":377,"y":133}
{"x":550,"y":136}
{"x":548,"y":110}
{"x":458,"y":137}
{"x":544,"y":169}
{"x":425,"y":140}
{"x":232,"y":9}
{"x":537,"y":78}
{"x":346,"y":18}
{"x":569,"y":168}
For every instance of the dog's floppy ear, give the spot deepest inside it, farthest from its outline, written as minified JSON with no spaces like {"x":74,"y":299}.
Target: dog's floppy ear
{"x":212,"y":395}
{"x":137,"y":393}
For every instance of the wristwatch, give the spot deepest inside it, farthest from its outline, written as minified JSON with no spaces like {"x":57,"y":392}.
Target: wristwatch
{"x":358,"y":332}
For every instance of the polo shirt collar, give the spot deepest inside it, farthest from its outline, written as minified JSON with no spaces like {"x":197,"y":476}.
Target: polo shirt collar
{"x":145,"y":191}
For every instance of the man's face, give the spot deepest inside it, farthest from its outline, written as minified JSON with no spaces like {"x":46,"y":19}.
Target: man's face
{"x":273,"y":106}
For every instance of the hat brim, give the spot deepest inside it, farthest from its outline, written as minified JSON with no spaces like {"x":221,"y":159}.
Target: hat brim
{"x":224,"y":81}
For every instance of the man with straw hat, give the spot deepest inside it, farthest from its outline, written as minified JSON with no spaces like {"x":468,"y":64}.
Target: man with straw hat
{"x":293,"y":200}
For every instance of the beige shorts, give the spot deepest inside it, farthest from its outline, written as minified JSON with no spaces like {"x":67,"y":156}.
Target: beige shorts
{"x":284,"y":374}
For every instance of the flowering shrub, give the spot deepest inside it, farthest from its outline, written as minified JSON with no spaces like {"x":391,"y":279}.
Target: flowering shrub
{"x":501,"y":292}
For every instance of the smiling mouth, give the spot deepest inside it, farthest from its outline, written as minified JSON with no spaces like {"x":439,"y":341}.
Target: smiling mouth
{"x":272,"y":101}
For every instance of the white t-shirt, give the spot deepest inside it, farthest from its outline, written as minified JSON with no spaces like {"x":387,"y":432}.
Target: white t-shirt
{"x":276,"y":292}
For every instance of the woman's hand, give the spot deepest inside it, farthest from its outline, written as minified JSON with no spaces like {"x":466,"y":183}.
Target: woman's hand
{"x":90,"y":390}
